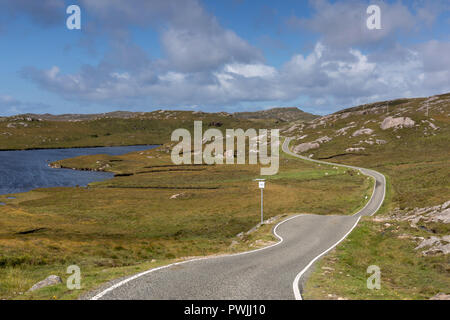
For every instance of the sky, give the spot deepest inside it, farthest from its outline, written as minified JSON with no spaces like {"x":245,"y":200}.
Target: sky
{"x":219,"y":55}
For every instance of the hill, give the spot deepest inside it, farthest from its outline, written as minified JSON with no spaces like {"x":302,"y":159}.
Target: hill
{"x":110,"y":129}
{"x":403,"y":137}
{"x":282,"y":114}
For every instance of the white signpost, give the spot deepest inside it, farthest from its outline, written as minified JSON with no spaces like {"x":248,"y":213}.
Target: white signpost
{"x":262,"y":184}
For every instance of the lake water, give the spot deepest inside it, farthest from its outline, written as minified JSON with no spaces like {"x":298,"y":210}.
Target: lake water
{"x":22,"y":171}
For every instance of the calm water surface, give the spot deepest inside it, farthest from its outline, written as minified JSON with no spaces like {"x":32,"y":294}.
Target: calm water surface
{"x":22,"y":171}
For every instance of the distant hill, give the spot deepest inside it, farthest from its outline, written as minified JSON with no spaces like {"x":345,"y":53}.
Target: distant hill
{"x":283,"y":114}
{"x":28,"y":131}
{"x":81,"y":117}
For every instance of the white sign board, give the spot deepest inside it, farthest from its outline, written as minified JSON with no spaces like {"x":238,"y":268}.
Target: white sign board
{"x":262,"y":184}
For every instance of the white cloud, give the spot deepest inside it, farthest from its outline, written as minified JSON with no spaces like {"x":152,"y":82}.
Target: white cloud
{"x":172,"y":77}
{"x":345,"y":79}
{"x":251,"y":70}
{"x":207,"y":49}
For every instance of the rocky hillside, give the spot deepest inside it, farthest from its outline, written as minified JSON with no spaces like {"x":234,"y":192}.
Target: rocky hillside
{"x":408,"y":139}
{"x":282,"y":114}
{"x":80,"y":117}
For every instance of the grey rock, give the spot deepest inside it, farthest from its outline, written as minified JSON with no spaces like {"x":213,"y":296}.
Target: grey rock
{"x":306,"y":146}
{"x":323,"y":139}
{"x":362,"y":131}
{"x":441,"y":296}
{"x":401,"y":122}
{"x":355,"y":149}
{"x":49,"y":281}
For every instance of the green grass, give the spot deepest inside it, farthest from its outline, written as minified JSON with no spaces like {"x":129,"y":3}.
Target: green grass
{"x":405,"y":273}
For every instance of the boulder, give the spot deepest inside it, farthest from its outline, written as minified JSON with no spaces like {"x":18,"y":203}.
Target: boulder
{"x":49,"y":281}
{"x":291,"y":129}
{"x":176,"y":196}
{"x":362,"y":131}
{"x":323,"y":139}
{"x":441,"y":296}
{"x":401,"y":122}
{"x":343,"y":131}
{"x":355,"y":149}
{"x":306,"y":146}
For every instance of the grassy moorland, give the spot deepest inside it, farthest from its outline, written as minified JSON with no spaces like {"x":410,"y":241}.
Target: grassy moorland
{"x":152,"y":213}
{"x":22,"y":132}
{"x":415,"y":159}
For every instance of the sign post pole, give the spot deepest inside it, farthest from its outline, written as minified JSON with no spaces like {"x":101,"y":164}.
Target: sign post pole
{"x":262,"y":205}
{"x":262,"y":184}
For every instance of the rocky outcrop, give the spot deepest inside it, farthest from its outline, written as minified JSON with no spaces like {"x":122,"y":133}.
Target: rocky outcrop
{"x":306,"y":146}
{"x":441,"y":296}
{"x":323,"y":139}
{"x":419,"y":218}
{"x":176,"y":196}
{"x":15,"y":124}
{"x":431,"y":124}
{"x":49,"y":281}
{"x":398,"y":123}
{"x":362,"y":131}
{"x":436,"y":214}
{"x":355,"y":149}
{"x":343,"y":131}
{"x":292,"y":129}
{"x":434,"y":245}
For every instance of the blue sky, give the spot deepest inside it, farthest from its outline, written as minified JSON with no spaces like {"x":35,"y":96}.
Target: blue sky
{"x":218,"y":55}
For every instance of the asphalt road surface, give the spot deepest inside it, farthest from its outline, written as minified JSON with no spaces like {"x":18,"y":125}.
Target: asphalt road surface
{"x":274,"y":273}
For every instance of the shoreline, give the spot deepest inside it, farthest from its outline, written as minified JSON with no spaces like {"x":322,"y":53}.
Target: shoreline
{"x":82,"y":147}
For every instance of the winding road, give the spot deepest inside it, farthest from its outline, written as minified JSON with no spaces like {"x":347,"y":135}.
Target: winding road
{"x":276,"y":272}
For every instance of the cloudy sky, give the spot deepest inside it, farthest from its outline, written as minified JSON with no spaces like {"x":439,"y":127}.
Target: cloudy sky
{"x":227,"y":55}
